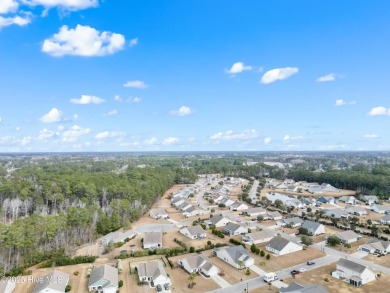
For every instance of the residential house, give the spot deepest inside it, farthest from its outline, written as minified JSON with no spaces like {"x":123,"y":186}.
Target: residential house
{"x":356,"y":210}
{"x":369,"y":199}
{"x":254,"y":212}
{"x":385,"y":220}
{"x":308,"y":201}
{"x":273,"y":216}
{"x":315,"y":189}
{"x":329,"y":188}
{"x":295,"y":203}
{"x":226,"y":201}
{"x":193,"y":232}
{"x":184,"y":206}
{"x":281,"y":246}
{"x":103,"y":279}
{"x":238,"y":206}
{"x":348,"y":199}
{"x":218,"y":221}
{"x":291,"y":222}
{"x":381,"y":209}
{"x":158,"y":213}
{"x":7,"y":286}
{"x":354,"y":273}
{"x":115,"y":237}
{"x":272,"y":196}
{"x":153,"y":273}
{"x":152,"y":240}
{"x":53,"y":282}
{"x":327,"y":199}
{"x":199,"y":264}
{"x":259,"y":237}
{"x":348,"y":236}
{"x":298,"y":288}
{"x":337,"y":214}
{"x":314,"y":228}
{"x":177,"y":201}
{"x":193,"y":211}
{"x":376,"y":246}
{"x":236,"y":256}
{"x":233,"y":229}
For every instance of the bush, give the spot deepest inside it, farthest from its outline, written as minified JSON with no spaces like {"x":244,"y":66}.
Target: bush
{"x":262,"y":253}
{"x":306,"y":240}
{"x":237,"y":242}
{"x":66,"y":261}
{"x":268,"y":256}
{"x":192,"y":249}
{"x":218,"y":233}
{"x":68,"y":288}
{"x":120,"y":283}
{"x":248,"y":272}
{"x":326,"y":279}
{"x":76,"y":273}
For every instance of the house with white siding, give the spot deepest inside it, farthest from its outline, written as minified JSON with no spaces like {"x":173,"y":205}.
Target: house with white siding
{"x":236,"y":256}
{"x":238,"y":206}
{"x":232,"y":229}
{"x":152,"y":240}
{"x":53,"y":282}
{"x":348,"y":236}
{"x":193,"y":232}
{"x":103,"y":279}
{"x":7,"y":286}
{"x":376,"y":246}
{"x":281,"y":246}
{"x":153,"y":273}
{"x":254,"y":212}
{"x":353,"y":273}
{"x":385,"y":220}
{"x":259,"y":237}
{"x":158,"y":213}
{"x":314,"y":228}
{"x":292,"y":222}
{"x":198,"y":264}
{"x":356,"y":210}
{"x":381,"y":209}
{"x":218,"y":221}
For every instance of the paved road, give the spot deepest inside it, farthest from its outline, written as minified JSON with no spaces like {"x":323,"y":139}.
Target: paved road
{"x":252,"y":192}
{"x":154,"y":228}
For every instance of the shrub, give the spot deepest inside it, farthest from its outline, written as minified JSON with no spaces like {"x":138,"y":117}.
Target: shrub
{"x":192,"y":249}
{"x":262,"y":253}
{"x":66,"y":261}
{"x":76,"y":273}
{"x":120,"y":283}
{"x":268,"y":256}
{"x":326,"y":279}
{"x":237,"y":242}
{"x":68,"y":288}
{"x":248,"y":272}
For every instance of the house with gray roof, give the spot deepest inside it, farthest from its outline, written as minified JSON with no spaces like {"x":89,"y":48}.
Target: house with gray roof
{"x":381,"y":209}
{"x":349,"y":199}
{"x":218,"y":221}
{"x":158,"y":213}
{"x":327,"y":199}
{"x":385,"y":220}
{"x":233,"y":229}
{"x":376,"y":246}
{"x":329,"y":188}
{"x":177,"y":201}
{"x":53,"y":282}
{"x":273,"y":216}
{"x":297,"y":288}
{"x":353,"y":273}
{"x":199,"y":264}
{"x":314,"y":228}
{"x":117,"y":236}
{"x":369,"y":199}
{"x":356,"y":210}
{"x":281,"y":246}
{"x":259,"y":237}
{"x":337,"y":214}
{"x":238,"y":206}
{"x":103,"y":279}
{"x":193,"y":232}
{"x":254,"y":212}
{"x":153,"y":273}
{"x":236,"y":256}
{"x":152,"y":240}
{"x":184,"y":206}
{"x":226,"y":201}
{"x":348,"y":236}
{"x":293,"y":222}
{"x":7,"y":286}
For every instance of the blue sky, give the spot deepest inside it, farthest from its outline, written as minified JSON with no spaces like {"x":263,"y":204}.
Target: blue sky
{"x":144,"y":75}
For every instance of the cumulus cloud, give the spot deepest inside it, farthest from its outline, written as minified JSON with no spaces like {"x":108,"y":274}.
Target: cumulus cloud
{"x":108,"y":134}
{"x":72,"y":134}
{"x":267,"y":140}
{"x":371,"y":136}
{"x":53,"y":116}
{"x":183,"y":111}
{"x":133,"y":42}
{"x":1,"y":119}
{"x":379,"y":111}
{"x":45,"y":134}
{"x":278,"y":74}
{"x":238,"y":67}
{"x":288,"y":137}
{"x":151,"y":141}
{"x":230,"y":135}
{"x":71,"y":5}
{"x":136,"y":84}
{"x":14,"y":20}
{"x":8,"y":6}
{"x":344,"y":103}
{"x":85,"y":100}
{"x":111,"y":113}
{"x":83,"y":41}
{"x":25,"y":140}
{"x":135,"y":100}
{"x":117,"y":98}
{"x":328,"y":77}
{"x":170,"y":140}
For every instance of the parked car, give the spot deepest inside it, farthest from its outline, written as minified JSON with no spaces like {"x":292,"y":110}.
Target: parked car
{"x":310,"y":263}
{"x":166,"y":286}
{"x":302,"y":270}
{"x":295,"y":272}
{"x":159,"y":288}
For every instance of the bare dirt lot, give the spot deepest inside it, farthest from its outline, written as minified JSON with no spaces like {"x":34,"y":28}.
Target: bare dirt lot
{"x":383,"y":260}
{"x":317,"y":276}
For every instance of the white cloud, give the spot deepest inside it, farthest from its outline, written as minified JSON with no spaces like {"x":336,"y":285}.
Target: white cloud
{"x":379,"y":111}
{"x":136,"y":84}
{"x":17,"y":128}
{"x":71,"y":5}
{"x":371,"y":136}
{"x":53,"y":116}
{"x":343,"y":103}
{"x":45,"y":134}
{"x":133,"y":42}
{"x":328,"y":77}
{"x":74,"y":133}
{"x":238,"y":67}
{"x":25,"y":140}
{"x":278,"y":74}
{"x":17,"y":20}
{"x":111,"y":113}
{"x":8,"y":6}
{"x":267,"y":140}
{"x":85,"y":100}
{"x":117,"y":98}
{"x":230,"y":135}
{"x":151,"y":141}
{"x":288,"y":137}
{"x":107,"y":134}
{"x":135,"y":100}
{"x":83,"y":41}
{"x":183,"y":111}
{"x":170,"y":140}
{"x":1,"y":120}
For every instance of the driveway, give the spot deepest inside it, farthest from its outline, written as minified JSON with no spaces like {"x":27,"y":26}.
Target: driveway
{"x":257,"y":270}
{"x":220,"y":281}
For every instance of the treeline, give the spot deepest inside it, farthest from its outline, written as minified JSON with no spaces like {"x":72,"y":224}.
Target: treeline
{"x":375,"y":181}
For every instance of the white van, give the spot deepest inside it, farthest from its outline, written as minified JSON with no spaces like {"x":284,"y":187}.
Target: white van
{"x":269,"y":277}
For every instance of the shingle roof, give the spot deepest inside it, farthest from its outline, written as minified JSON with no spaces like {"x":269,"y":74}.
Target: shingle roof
{"x":294,"y":220}
{"x":346,"y":235}
{"x":353,"y":266}
{"x":55,"y":280}
{"x":152,"y":238}
{"x":157,"y":211}
{"x":216,"y":218}
{"x":151,"y":269}
{"x":106,"y":272}
{"x":231,"y":226}
{"x":262,"y":234}
{"x":237,"y":253}
{"x":255,"y":210}
{"x":311,"y":226}
{"x":195,"y":230}
{"x":278,"y":243}
{"x":297,"y":288}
